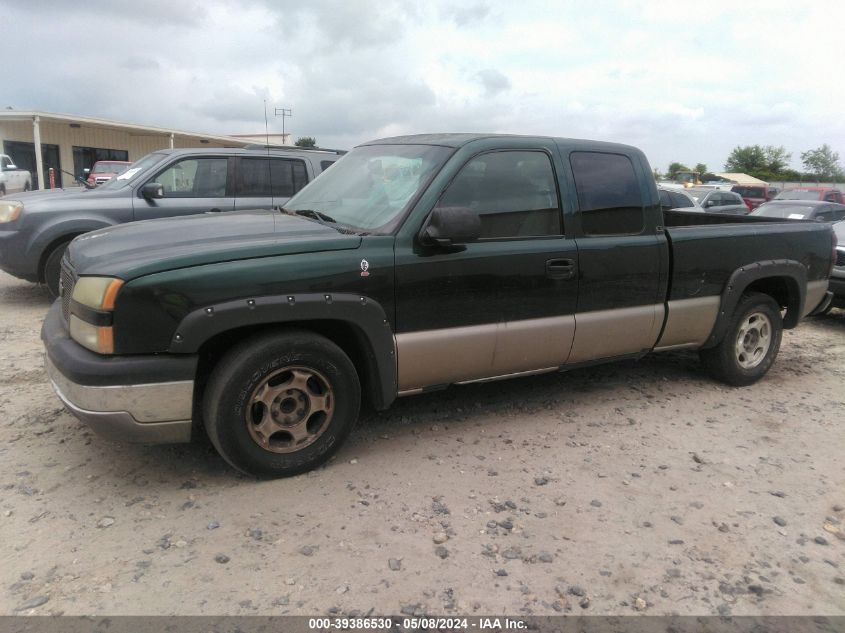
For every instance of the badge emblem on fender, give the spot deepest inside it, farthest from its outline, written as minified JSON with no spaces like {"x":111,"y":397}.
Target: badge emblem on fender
{"x":365,"y":268}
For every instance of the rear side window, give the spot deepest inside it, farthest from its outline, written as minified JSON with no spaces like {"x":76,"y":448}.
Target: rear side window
{"x":513,"y":192}
{"x":750,"y":192}
{"x":609,"y":198}
{"x":325,"y":164}
{"x":266,"y":177}
{"x":680,"y":201}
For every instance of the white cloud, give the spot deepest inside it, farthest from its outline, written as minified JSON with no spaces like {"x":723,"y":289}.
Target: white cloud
{"x":681,"y":83}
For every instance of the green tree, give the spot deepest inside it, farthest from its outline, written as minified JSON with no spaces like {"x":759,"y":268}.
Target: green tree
{"x":763,"y":162}
{"x":701,"y":168}
{"x":822,"y":162}
{"x":674,"y":168}
{"x":306,"y":141}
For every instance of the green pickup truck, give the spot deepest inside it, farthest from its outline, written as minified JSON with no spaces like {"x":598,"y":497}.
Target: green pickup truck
{"x":413,"y":264}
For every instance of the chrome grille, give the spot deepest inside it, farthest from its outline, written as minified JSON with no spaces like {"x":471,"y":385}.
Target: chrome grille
{"x":68,"y":280}
{"x":840,"y":257}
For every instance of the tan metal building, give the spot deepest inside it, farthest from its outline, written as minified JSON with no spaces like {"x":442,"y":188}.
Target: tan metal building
{"x":38,"y":141}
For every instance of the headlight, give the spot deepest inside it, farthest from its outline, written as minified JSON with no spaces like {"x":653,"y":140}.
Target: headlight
{"x":96,"y":338}
{"x":97,"y":292}
{"x":97,"y":296}
{"x":10,"y":210}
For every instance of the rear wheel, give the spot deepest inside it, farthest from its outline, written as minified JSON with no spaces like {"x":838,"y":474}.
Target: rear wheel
{"x":750,"y":344}
{"x":26,"y":186}
{"x":53,"y":268}
{"x":278,"y":405}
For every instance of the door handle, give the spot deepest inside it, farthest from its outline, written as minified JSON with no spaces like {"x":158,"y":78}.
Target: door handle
{"x":560,"y":268}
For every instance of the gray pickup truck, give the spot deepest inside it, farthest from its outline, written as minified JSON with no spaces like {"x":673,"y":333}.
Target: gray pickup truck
{"x":36,"y":227}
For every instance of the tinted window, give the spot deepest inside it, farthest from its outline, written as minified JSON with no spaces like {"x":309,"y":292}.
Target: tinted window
{"x":195,"y":178}
{"x":732,"y":199}
{"x":750,"y":192}
{"x":325,"y":164}
{"x":665,"y":200}
{"x":6,"y":162}
{"x":514,"y":193}
{"x":609,"y":197}
{"x":263,"y":177}
{"x":680,"y":201}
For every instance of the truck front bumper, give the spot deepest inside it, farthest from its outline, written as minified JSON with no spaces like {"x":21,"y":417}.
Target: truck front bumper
{"x":141,"y":399}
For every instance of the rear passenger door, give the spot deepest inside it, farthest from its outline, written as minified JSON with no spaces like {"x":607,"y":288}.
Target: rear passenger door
{"x":194,"y":184}
{"x":264,"y":183}
{"x":622,"y":257}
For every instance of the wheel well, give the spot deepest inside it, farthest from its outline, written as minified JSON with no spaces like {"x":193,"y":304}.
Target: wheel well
{"x":785,"y":291}
{"x":50,"y":248}
{"x":345,"y":335}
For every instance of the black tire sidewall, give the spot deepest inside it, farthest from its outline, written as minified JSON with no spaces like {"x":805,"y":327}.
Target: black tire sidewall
{"x":243,"y":369}
{"x":53,"y":267}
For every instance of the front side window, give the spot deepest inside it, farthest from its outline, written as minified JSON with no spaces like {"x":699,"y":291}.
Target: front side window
{"x":267,"y":177}
{"x":513,"y":192}
{"x":609,"y":198}
{"x":195,"y":178}
{"x":6,"y":162}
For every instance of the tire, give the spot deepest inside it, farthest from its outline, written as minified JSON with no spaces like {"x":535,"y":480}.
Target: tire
{"x":750,"y":344}
{"x":53,"y":268}
{"x":2,"y":190}
{"x":314,"y":396}
{"x":26,"y":186}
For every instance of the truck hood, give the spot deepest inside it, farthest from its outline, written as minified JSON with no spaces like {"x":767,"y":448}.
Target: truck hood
{"x":33,"y":199}
{"x":141,"y":248}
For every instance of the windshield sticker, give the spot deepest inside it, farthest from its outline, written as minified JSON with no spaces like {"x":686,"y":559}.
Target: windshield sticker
{"x":796,"y":216}
{"x":128,"y":173}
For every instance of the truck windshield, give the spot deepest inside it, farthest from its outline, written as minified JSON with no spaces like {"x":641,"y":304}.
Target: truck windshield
{"x":371,"y":185}
{"x":798,"y":194}
{"x":135,"y":171}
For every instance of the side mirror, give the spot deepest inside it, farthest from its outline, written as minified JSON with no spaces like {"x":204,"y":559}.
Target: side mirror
{"x":447,"y":226}
{"x":152,"y":190}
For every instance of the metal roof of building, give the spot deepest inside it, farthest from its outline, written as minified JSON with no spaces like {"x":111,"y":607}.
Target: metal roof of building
{"x":742,"y":179}
{"x":28,"y":115}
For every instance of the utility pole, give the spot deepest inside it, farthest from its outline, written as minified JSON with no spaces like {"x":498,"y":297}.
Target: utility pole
{"x":284,"y":113}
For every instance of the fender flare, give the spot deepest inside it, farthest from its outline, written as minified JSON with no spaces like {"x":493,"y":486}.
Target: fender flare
{"x":363,"y":313}
{"x":794,"y":273}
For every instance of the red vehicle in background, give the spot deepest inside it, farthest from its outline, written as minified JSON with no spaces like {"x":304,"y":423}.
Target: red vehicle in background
{"x":828,"y":194}
{"x":755,"y":195}
{"x":104,"y":170}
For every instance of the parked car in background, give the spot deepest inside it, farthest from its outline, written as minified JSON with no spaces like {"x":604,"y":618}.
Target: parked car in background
{"x":837,"y":275}
{"x":817,"y":210}
{"x":678,"y":200}
{"x":827,"y":194}
{"x":105,"y":170}
{"x":719,"y":201}
{"x":12,"y":178}
{"x":35,"y":228}
{"x":755,"y":195}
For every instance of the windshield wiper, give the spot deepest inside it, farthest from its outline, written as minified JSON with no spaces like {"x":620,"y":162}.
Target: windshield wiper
{"x":320,"y":218}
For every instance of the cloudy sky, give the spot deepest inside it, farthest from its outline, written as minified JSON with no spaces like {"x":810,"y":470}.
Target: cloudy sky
{"x":684,"y":81}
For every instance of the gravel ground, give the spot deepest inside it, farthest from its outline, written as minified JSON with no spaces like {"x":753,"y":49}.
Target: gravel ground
{"x":628,"y":488}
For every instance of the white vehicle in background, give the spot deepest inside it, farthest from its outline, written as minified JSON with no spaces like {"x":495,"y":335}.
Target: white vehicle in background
{"x":13,"y":179}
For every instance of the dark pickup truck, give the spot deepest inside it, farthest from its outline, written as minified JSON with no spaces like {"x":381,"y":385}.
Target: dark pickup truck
{"x":413,"y":264}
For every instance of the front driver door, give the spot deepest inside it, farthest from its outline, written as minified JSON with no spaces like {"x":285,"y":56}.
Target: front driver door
{"x":502,"y":305}
{"x":194,"y":184}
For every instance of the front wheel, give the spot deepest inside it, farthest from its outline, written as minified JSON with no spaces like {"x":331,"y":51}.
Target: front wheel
{"x":53,"y":268}
{"x":281,"y":404}
{"x":750,"y":344}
